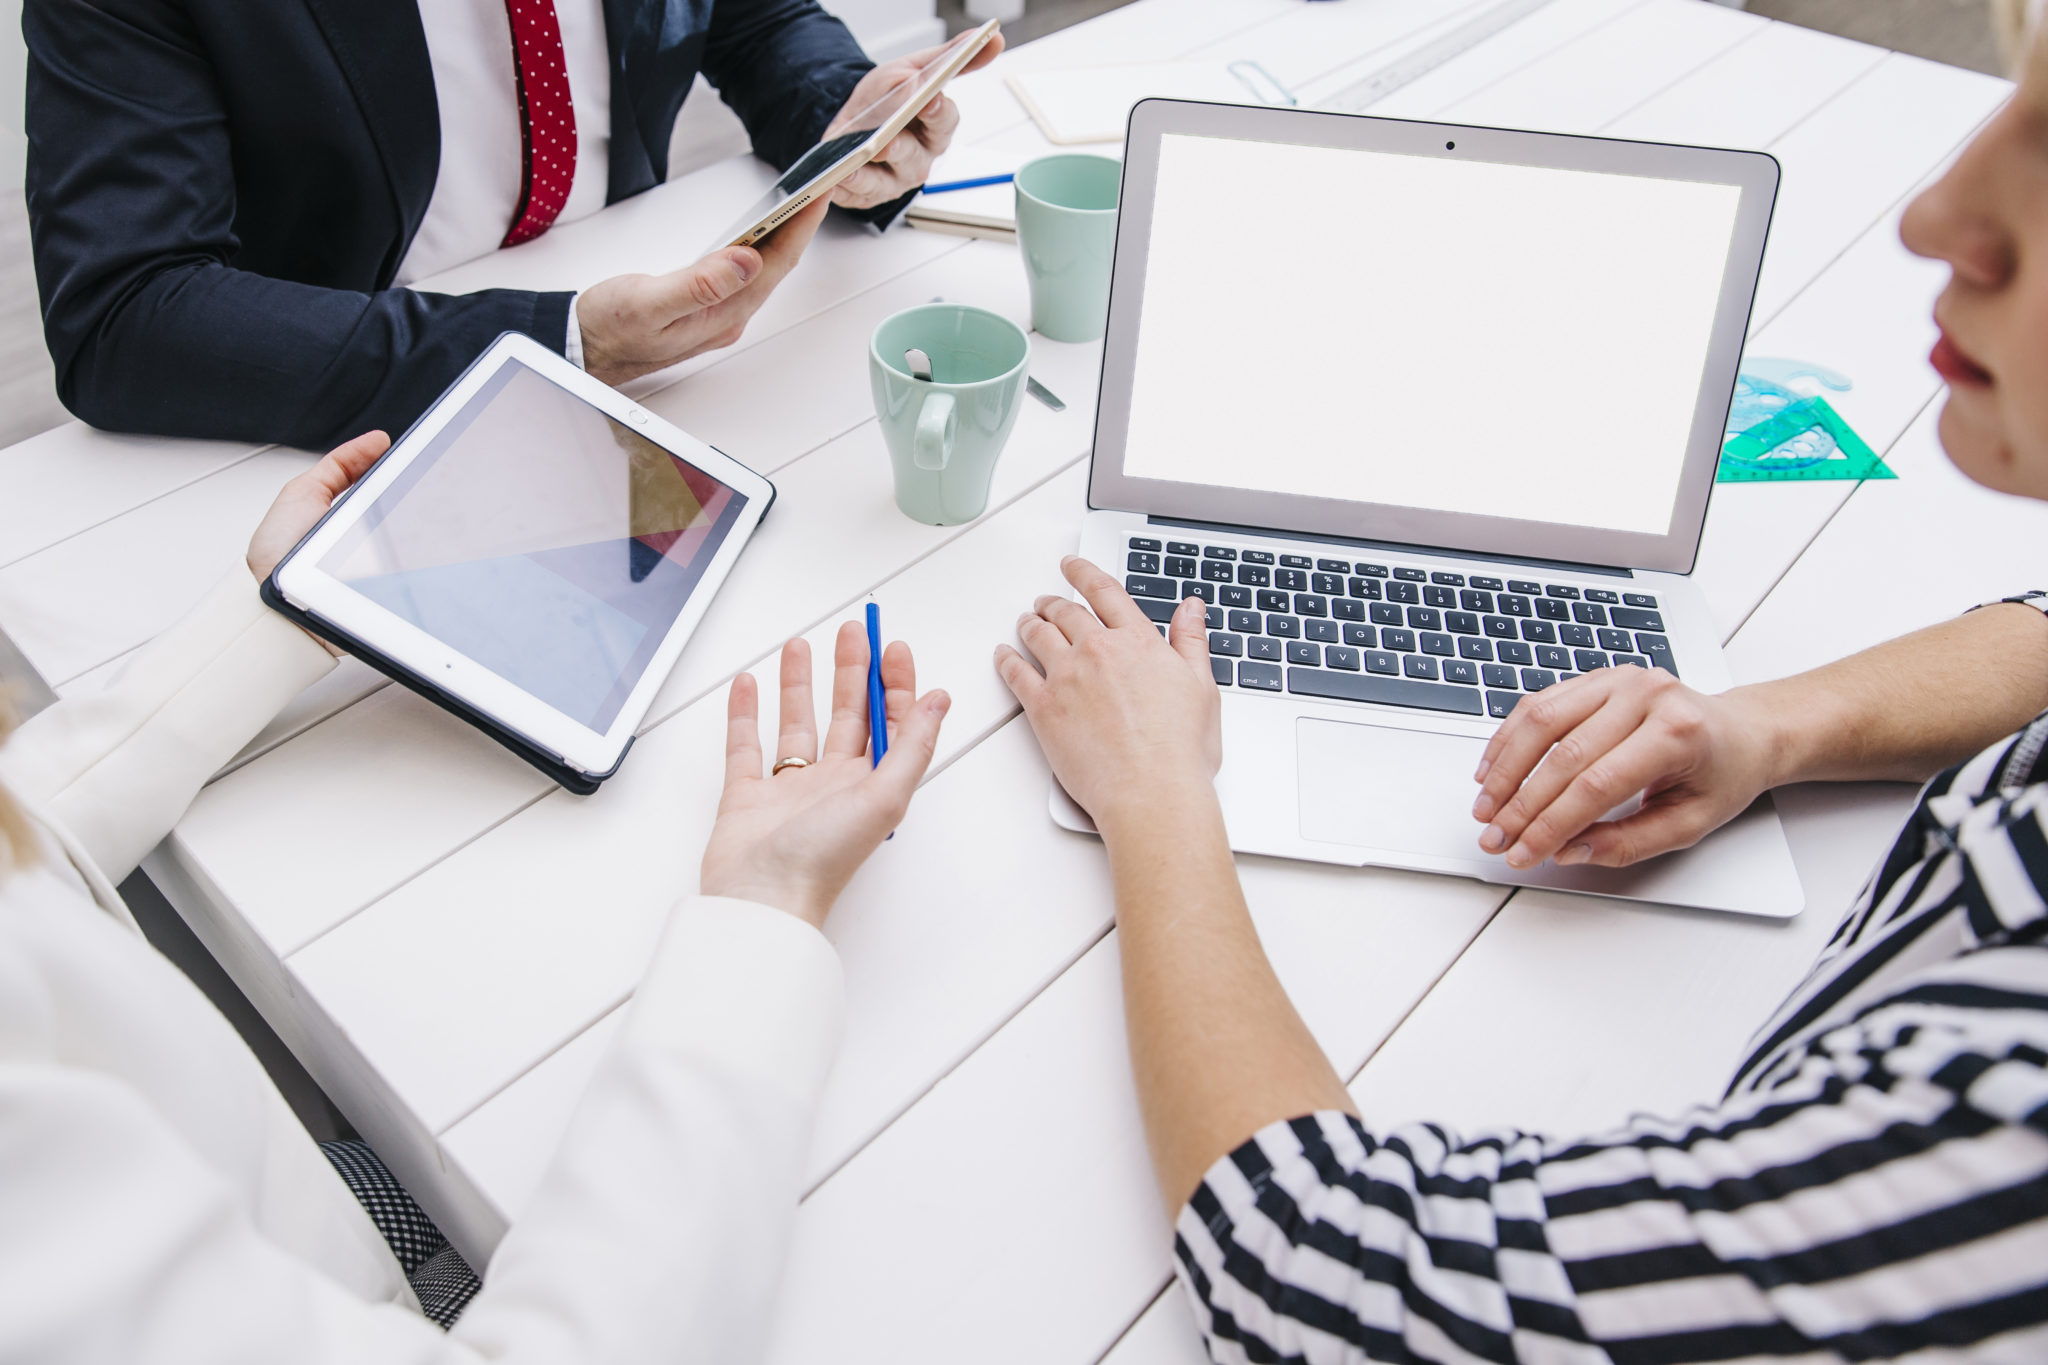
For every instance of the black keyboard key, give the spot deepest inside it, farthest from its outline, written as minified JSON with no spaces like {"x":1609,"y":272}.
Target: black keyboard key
{"x":1182,"y":547}
{"x":1143,"y":543}
{"x":1490,"y":584}
{"x":1472,"y":599}
{"x":1302,"y":652}
{"x":1432,"y":696}
{"x":1180,"y":566}
{"x":1142,"y":563}
{"x":1219,"y":552}
{"x":1247,"y":622}
{"x":1589,"y":613}
{"x":1500,"y":704}
{"x":1403,"y":640}
{"x":1328,"y":584}
{"x":1256,"y":557}
{"x":1553,"y":656}
{"x":1222,"y":642}
{"x":1601,"y":595}
{"x":1658,"y":650}
{"x":1440,"y":645}
{"x":1451,"y":580}
{"x":1221,"y":670}
{"x":1419,"y":666}
{"x":1639,"y":599}
{"x":1380,"y":661}
{"x":1425,"y":618}
{"x":1588,"y":659}
{"x":1578,"y":637}
{"x":1205,"y":591}
{"x":1347,"y":609}
{"x":1523,"y":585}
{"x":1536,"y":679}
{"x":1499,"y":675}
{"x":1632,"y":660}
{"x":1324,"y":631}
{"x":1629,"y":618}
{"x":1263,"y":647}
{"x":1560,"y":591}
{"x":1385,"y":614}
{"x":1412,"y":575}
{"x":1337,"y":656}
{"x":1230,"y":595}
{"x":1213,"y":618}
{"x":1297,"y":561}
{"x":1308,"y":604}
{"x":1272,"y":599}
{"x":1292,"y":580}
{"x":1254,"y":575}
{"x":1373,"y":570}
{"x":1283,"y":627}
{"x":1363,"y":636}
{"x":1461,"y":671}
{"x":1216,"y":571}
{"x":1616,"y":641}
{"x":1472,"y":647}
{"x":1539,"y":632}
{"x":1500,"y":627}
{"x":1364,"y":588}
{"x":1338,"y":566}
{"x":1159,"y":611}
{"x":1515,"y":652}
{"x":1403,"y":592}
{"x":1461,"y":622}
{"x":1138,"y":585}
{"x":1440,"y":597}
{"x":1551,"y":609}
{"x":1264,"y":677}
{"x":1511,"y":605}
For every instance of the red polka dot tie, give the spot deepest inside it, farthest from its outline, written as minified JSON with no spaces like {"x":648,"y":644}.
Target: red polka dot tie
{"x":547,"y":117}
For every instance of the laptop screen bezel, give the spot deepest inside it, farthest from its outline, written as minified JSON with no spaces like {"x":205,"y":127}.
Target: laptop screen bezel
{"x":1755,"y":174}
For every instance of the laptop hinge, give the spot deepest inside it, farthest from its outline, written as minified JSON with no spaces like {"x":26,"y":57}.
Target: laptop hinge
{"x":1391,"y":547}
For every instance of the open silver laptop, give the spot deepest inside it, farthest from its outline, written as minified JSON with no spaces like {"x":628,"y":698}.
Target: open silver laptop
{"x":1429,"y":414}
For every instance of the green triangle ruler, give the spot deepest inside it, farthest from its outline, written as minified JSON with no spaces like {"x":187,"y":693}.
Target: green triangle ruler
{"x":1747,"y":457}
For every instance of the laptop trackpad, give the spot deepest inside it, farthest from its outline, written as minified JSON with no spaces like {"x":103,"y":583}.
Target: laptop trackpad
{"x":1381,"y":786}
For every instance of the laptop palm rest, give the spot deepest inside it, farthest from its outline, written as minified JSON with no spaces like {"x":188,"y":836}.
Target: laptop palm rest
{"x":1388,"y":787}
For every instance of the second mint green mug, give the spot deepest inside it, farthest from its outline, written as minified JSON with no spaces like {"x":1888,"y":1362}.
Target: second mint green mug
{"x":944,"y":433}
{"x":1066,"y":227}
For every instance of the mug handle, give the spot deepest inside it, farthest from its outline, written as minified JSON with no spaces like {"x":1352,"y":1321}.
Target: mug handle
{"x":937,"y":422}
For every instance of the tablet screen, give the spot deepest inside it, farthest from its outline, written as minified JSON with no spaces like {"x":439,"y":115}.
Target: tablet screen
{"x":544,"y":540}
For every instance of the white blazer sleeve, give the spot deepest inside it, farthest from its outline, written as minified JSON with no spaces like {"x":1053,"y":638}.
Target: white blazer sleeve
{"x":118,"y":767}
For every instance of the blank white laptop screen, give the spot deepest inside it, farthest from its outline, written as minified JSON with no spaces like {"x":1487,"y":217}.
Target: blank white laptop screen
{"x":1425,"y":332}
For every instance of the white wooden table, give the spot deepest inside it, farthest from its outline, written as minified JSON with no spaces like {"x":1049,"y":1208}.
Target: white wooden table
{"x":446,"y":940}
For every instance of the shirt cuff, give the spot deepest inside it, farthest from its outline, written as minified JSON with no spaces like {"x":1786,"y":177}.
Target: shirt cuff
{"x":2037,"y":599}
{"x":572,"y":341}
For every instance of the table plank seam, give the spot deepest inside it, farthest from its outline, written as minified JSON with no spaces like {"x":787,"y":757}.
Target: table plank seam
{"x":1535,"y":59}
{"x":126,"y":511}
{"x":1753,"y":35}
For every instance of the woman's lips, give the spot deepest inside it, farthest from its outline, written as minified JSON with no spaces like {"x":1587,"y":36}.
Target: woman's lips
{"x":1957,"y":368}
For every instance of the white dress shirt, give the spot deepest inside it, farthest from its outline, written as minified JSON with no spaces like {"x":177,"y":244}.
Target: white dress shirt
{"x":160,"y":1204}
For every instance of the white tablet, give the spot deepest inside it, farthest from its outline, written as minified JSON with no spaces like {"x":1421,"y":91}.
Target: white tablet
{"x":532,"y":555}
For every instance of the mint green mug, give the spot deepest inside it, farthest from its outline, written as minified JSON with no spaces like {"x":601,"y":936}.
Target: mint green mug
{"x":944,"y":433}
{"x":1066,"y":227}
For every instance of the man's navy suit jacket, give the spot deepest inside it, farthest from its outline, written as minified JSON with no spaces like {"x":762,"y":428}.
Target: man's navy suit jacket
{"x":221,"y":191}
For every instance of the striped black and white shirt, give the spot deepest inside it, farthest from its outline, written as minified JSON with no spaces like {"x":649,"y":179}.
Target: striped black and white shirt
{"x":1874,"y":1184}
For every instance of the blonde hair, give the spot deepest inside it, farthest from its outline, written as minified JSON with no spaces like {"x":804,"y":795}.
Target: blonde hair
{"x":2017,"y":22}
{"x":17,"y":842}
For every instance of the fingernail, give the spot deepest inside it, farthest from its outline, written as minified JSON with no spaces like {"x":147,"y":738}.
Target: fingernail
{"x":1519,"y":856}
{"x":940,"y":703}
{"x":1482,"y":809}
{"x":1493,"y":839}
{"x":1576,"y":854}
{"x":746,"y":263}
{"x":1479,"y":774}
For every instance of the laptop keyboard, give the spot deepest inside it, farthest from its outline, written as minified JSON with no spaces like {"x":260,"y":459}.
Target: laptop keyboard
{"x":1382,"y":631}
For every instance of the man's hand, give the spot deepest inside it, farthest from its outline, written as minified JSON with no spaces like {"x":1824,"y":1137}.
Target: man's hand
{"x":637,"y":324}
{"x":1122,"y":715}
{"x":905,"y":163}
{"x":1571,"y":753}
{"x":792,"y":839}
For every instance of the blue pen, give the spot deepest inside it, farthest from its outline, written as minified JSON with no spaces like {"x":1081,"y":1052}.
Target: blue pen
{"x":973,"y":184}
{"x":878,"y":708}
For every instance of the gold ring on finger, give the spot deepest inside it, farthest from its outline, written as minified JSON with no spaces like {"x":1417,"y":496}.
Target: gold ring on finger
{"x":791,"y":762}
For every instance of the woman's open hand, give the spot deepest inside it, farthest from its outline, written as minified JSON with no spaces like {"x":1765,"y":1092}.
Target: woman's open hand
{"x":793,"y":840}
{"x":305,"y":499}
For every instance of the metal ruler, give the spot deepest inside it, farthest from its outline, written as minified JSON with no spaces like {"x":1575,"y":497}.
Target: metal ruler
{"x":1355,"y":99}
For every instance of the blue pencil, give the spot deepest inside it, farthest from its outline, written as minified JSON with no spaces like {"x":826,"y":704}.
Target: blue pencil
{"x":878,"y":707}
{"x":973,"y":184}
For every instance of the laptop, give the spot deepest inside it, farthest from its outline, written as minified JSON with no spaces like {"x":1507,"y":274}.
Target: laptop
{"x":1429,"y":416}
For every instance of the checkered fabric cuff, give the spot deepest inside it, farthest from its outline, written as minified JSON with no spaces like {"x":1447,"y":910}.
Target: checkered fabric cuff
{"x":2037,"y":599}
